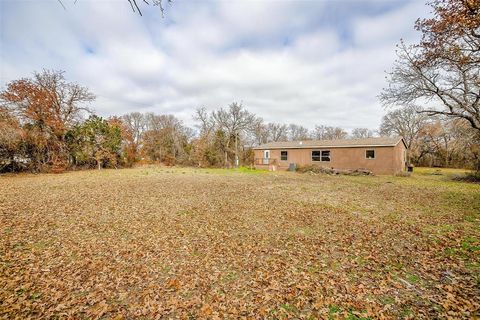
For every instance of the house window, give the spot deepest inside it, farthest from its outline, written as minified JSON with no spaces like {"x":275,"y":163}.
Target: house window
{"x":323,"y":155}
{"x":370,"y":154}
{"x":284,"y":155}
{"x":326,"y":155}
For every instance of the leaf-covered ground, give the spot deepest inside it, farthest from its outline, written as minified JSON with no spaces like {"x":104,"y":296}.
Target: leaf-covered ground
{"x":184,"y":243}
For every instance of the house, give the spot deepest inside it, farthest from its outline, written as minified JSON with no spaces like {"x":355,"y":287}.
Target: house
{"x":380,"y":155}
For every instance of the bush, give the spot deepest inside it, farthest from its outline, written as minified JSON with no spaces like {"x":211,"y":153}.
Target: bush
{"x":326,"y":170}
{"x":473,"y":176}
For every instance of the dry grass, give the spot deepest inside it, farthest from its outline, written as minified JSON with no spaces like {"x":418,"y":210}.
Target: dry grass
{"x":184,"y":243}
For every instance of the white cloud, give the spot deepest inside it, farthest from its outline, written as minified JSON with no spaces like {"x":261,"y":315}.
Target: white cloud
{"x":280,"y":58}
{"x":389,"y":27}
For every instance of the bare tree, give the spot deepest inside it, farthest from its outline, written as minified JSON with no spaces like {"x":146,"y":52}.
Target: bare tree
{"x":134,"y":125}
{"x":165,"y":138}
{"x":159,"y":3}
{"x":233,"y":122}
{"x":435,"y":138}
{"x":263,"y":133}
{"x":319,"y":132}
{"x":136,"y":122}
{"x":259,"y":135}
{"x":405,"y":122}
{"x":362,"y":133}
{"x":135,"y":4}
{"x":204,"y":151}
{"x":207,"y":122}
{"x":442,"y":72}
{"x":277,"y":132}
{"x":334,"y":133}
{"x":328,"y":133}
{"x":68,"y":100}
{"x":297,"y":132}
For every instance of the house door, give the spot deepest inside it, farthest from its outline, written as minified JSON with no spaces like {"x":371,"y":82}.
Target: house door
{"x":266,"y":156}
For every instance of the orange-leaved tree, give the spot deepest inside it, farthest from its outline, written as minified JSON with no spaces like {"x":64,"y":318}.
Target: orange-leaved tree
{"x":46,"y":106}
{"x":442,"y":72}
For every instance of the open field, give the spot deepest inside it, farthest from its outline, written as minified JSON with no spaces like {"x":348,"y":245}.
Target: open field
{"x":186,"y":243}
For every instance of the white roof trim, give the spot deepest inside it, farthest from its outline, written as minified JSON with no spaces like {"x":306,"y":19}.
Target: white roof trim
{"x":323,"y":147}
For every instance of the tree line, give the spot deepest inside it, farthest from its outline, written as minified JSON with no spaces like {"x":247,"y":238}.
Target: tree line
{"x":46,"y":124}
{"x":434,"y":140}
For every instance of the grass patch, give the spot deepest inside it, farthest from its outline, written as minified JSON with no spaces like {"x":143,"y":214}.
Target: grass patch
{"x":184,"y":213}
{"x":412,"y":278}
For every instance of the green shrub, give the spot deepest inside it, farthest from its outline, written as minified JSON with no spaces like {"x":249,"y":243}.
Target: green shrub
{"x":473,"y":176}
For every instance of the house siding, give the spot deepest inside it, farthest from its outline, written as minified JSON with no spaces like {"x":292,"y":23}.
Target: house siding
{"x":400,"y":158}
{"x":388,"y":159}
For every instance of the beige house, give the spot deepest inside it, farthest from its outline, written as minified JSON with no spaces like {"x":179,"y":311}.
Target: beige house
{"x":379,"y":155}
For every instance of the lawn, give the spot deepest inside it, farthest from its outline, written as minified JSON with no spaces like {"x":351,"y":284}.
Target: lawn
{"x":187,"y":243}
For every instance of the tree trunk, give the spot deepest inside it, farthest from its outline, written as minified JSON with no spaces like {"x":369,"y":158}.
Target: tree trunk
{"x":236,"y":151}
{"x":447,"y":162}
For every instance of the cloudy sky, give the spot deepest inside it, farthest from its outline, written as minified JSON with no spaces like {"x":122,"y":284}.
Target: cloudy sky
{"x":307,"y":62}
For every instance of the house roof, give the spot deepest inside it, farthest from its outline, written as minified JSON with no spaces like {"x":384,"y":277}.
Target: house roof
{"x":340,"y":143}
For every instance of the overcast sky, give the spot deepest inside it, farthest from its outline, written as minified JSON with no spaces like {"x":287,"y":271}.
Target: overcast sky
{"x":307,"y":62}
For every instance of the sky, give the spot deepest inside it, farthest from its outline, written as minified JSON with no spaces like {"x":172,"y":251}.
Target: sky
{"x":310,"y":62}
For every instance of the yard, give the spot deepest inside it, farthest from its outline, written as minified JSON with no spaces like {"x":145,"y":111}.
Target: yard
{"x":188,"y":243}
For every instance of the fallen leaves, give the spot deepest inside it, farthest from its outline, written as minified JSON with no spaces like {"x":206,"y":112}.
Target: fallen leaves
{"x":121,"y":244}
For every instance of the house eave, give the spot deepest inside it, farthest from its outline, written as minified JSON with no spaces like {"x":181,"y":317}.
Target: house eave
{"x":323,"y":147}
